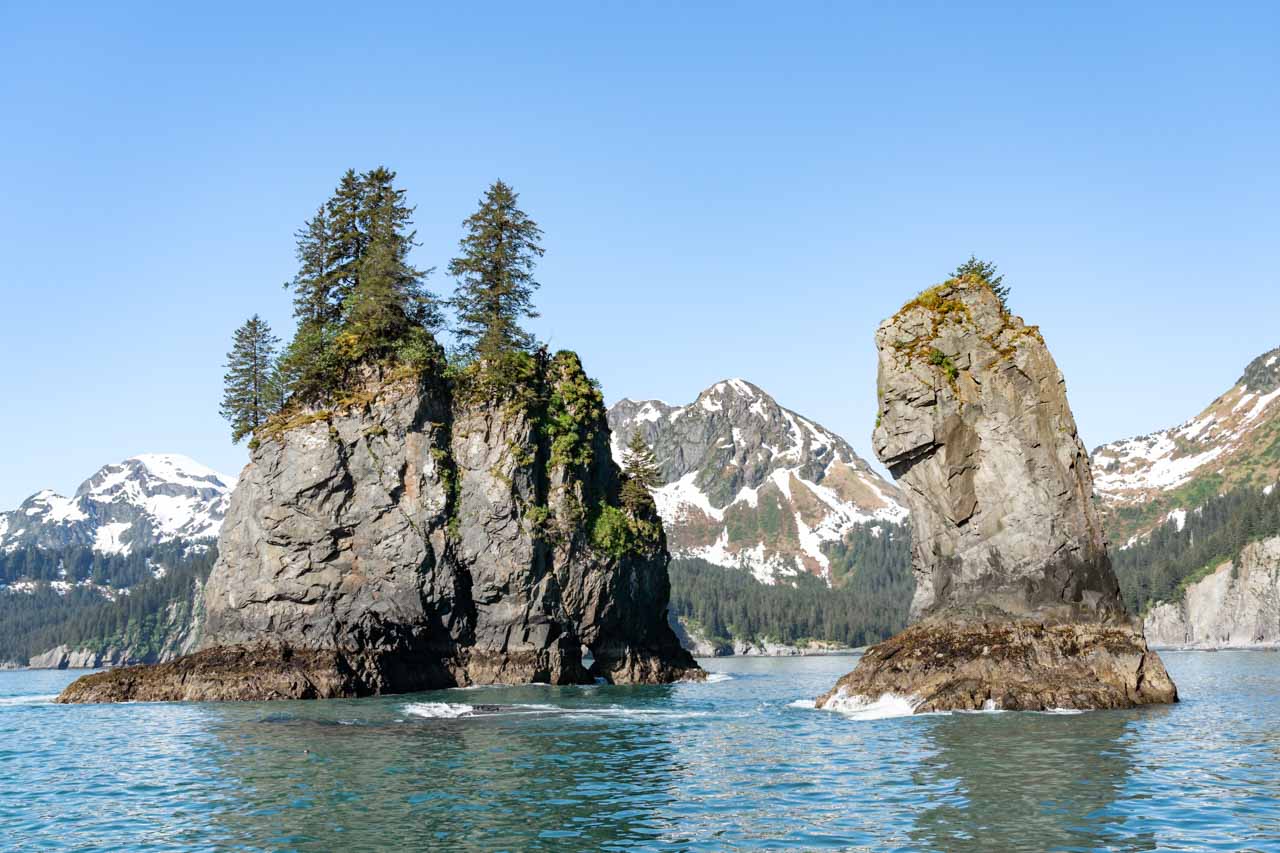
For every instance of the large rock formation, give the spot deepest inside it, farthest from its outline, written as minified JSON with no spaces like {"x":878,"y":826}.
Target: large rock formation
{"x":1016,"y":603}
{"x":1235,"y":606}
{"x":418,"y":536}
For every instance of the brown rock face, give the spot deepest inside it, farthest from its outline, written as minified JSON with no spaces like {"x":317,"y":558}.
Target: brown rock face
{"x":1016,"y":600}
{"x":1014,"y":666}
{"x":419,"y":538}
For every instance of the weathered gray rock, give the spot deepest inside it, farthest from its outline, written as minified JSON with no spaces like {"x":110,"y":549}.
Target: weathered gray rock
{"x":975,"y":427}
{"x":410,"y":540}
{"x":695,"y":641}
{"x":1237,"y":606}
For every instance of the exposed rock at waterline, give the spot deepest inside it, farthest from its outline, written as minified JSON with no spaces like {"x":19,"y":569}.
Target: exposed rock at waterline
{"x":413,"y":539}
{"x":1015,"y":596}
{"x":1014,"y":666}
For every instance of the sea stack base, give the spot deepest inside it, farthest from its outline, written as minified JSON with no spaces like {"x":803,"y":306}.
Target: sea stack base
{"x":1012,"y":666}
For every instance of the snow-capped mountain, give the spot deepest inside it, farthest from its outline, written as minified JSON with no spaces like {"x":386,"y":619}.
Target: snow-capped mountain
{"x":750,"y":484}
{"x":1235,"y":441}
{"x":148,"y":499}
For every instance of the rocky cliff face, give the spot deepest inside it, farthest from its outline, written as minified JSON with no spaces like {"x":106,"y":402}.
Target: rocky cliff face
{"x":1015,"y":597}
{"x":1237,"y":606}
{"x":750,"y":484}
{"x":415,"y":538}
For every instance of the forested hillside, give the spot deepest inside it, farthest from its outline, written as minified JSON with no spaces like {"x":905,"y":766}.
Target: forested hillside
{"x":869,"y":602}
{"x":36,"y":621}
{"x":1192,"y":543}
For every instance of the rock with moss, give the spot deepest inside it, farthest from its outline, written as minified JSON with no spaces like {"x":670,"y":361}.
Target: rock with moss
{"x":975,"y":427}
{"x":418,"y":535}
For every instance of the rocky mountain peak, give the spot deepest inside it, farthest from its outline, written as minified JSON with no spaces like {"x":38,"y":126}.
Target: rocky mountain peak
{"x":157,"y":497}
{"x":1262,"y":376}
{"x":1232,"y":442}
{"x":751,"y":484}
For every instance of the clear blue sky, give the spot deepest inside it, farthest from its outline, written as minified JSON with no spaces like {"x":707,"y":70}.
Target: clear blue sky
{"x":732,"y":190}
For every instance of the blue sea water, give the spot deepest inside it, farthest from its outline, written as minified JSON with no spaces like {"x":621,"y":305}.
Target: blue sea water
{"x":735,"y":764}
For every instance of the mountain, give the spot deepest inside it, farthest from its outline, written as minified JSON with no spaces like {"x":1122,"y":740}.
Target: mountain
{"x":750,"y":484}
{"x":144,"y":500}
{"x":110,"y":571}
{"x":1234,"y":442}
{"x":1197,"y":510}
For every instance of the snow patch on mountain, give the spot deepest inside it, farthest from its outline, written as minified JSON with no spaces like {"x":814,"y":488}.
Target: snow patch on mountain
{"x":146,"y":499}
{"x":752,"y":485}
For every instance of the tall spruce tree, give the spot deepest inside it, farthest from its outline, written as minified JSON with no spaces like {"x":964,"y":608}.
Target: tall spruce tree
{"x":388,"y":298}
{"x":251,"y":385}
{"x":495,"y":277}
{"x":356,"y":296}
{"x":643,"y":473}
{"x":986,"y":271}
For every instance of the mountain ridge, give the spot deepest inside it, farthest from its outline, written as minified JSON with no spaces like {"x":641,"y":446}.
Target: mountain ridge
{"x":143,"y":500}
{"x":748,"y":483}
{"x":1145,"y":480}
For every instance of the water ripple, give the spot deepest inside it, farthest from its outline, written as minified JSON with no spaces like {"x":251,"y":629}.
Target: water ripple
{"x":740,"y":762}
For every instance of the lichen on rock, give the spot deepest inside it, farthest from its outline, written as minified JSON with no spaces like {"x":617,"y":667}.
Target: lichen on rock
{"x":416,"y":538}
{"x":1008,"y":551}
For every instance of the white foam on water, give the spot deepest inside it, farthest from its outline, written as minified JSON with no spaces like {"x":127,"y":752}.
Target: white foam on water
{"x":42,"y":699}
{"x":438,"y":710}
{"x":456,"y":710}
{"x":1063,"y":711}
{"x":717,"y":677}
{"x":864,"y":708}
{"x":615,"y":711}
{"x":806,"y":704}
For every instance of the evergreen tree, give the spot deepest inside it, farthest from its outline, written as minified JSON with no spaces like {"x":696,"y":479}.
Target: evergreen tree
{"x":643,"y":473}
{"x":251,"y":388}
{"x":985,"y":271}
{"x":495,"y":277}
{"x":356,"y":296}
{"x":387,"y":299}
{"x":315,"y":294}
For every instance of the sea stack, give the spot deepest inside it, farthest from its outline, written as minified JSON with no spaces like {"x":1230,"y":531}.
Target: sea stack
{"x":419,"y":534}
{"x":1016,"y":604}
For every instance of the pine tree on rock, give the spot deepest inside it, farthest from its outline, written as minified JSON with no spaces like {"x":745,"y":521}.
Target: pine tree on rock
{"x":356,"y":296}
{"x":495,"y":277}
{"x":251,"y":386}
{"x":642,"y":472}
{"x":985,"y":271}
{"x":388,"y":298}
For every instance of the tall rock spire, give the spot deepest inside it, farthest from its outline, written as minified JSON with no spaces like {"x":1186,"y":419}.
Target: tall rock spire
{"x":1016,"y":604}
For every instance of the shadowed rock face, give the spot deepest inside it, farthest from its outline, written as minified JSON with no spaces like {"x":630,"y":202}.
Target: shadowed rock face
{"x":412,"y":541}
{"x":1015,"y":596}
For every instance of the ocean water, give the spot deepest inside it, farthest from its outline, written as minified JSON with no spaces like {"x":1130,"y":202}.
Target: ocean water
{"x":735,"y":764}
